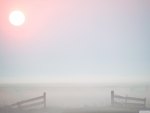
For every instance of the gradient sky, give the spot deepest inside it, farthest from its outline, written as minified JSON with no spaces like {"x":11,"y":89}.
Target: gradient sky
{"x":102,"y":41}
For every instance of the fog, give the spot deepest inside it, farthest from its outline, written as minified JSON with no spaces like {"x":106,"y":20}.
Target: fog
{"x":75,"y":41}
{"x":77,"y":52}
{"x":71,"y":96}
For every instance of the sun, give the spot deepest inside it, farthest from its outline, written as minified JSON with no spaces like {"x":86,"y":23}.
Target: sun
{"x":17,"y":18}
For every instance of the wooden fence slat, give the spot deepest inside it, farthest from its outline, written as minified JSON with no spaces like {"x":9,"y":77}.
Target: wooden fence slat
{"x":129,"y":98}
{"x":30,"y":100}
{"x":120,"y":97}
{"x":134,"y":98}
{"x":128,"y":103}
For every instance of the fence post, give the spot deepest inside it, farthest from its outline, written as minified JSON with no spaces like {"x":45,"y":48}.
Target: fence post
{"x":112,"y":97}
{"x":44,"y":97}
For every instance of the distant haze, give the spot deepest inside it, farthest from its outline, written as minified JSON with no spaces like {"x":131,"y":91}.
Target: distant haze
{"x":76,"y":41}
{"x":70,"y":95}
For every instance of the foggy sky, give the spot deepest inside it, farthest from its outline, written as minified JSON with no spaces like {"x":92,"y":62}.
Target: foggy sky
{"x":76,"y":41}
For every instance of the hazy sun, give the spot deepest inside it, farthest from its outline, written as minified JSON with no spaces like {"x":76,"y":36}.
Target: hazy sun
{"x":16,"y":18}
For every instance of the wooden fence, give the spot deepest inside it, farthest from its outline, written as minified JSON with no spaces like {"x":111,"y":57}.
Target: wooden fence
{"x":33,"y":102}
{"x":127,"y":101}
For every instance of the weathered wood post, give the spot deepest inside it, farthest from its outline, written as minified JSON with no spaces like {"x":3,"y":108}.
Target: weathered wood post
{"x":44,"y":97}
{"x":112,"y":97}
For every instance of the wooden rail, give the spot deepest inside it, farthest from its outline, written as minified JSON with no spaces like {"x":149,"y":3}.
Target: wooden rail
{"x":41,"y":100}
{"x":127,"y":101}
